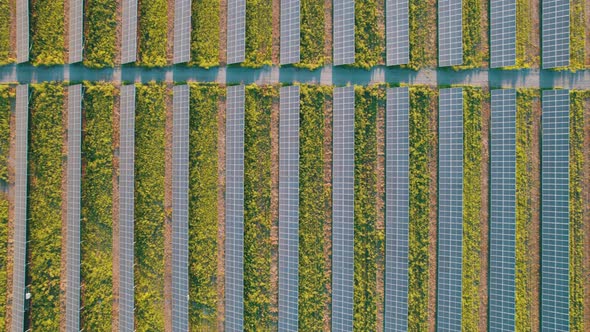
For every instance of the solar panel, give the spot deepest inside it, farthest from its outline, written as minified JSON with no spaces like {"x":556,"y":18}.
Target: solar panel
{"x":19,"y":269}
{"x":180,"y":209}
{"x":289,"y":209}
{"x":126,"y":209}
{"x":502,"y":211}
{"x":76,"y":31}
{"x":450,"y":204}
{"x":502,"y":33}
{"x":129,"y":32}
{"x":450,"y":33}
{"x":344,"y":47}
{"x":396,"y":209}
{"x":555,"y":211}
{"x":555,"y":41}
{"x":236,"y":31}
{"x":22,"y":31}
{"x":290,"y":26}
{"x":343,"y":210}
{"x":182,"y":31}
{"x":73,"y":207}
{"x":234,"y":210}
{"x":397,"y":35}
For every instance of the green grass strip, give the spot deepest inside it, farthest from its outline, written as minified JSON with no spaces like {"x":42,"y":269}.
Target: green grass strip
{"x":369,"y":37}
{"x":45,"y":204}
{"x":473,"y":54}
{"x":312,"y":35}
{"x":258,"y":315}
{"x":313,"y":202}
{"x":258,"y":33}
{"x":97,"y":207}
{"x":421,"y":99}
{"x":101,"y":33}
{"x":6,"y":95}
{"x":47,"y":32}
{"x":153,"y":33}
{"x":5,"y":56}
{"x":524,"y":30}
{"x":577,"y":35}
{"x":422,"y":23}
{"x":472,"y":204}
{"x":5,"y":100}
{"x":149,"y":206}
{"x":205,"y":33}
{"x":203,"y":217}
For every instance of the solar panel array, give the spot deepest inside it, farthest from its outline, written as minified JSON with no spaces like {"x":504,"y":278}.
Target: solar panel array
{"x":343,"y":209}
{"x":555,"y":211}
{"x":555,"y":35}
{"x":234,"y":210}
{"x":450,"y":204}
{"x":289,"y":209}
{"x":126,"y":209}
{"x":22,"y":31}
{"x":344,"y":47}
{"x":290,"y":26}
{"x":129,"y":32}
{"x":502,"y":211}
{"x":73,"y":207}
{"x":502,"y":33}
{"x":236,"y":31}
{"x":182,"y":31}
{"x":180,"y":209}
{"x":397,"y":32}
{"x":397,"y":205}
{"x":450,"y":33}
{"x":19,"y":268}
{"x":76,"y":31}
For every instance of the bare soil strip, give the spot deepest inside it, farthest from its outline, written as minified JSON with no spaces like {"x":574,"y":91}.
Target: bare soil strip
{"x":328,"y":30}
{"x":222,"y":32}
{"x":380,"y":215}
{"x":64,"y":214}
{"x":433,"y":216}
{"x":168,"y":212}
{"x":586,"y":204}
{"x":221,"y":212}
{"x":274,"y":210}
{"x":535,"y":230}
{"x":116,"y":141}
{"x":276,"y":31}
{"x":328,"y":216}
{"x":484,"y":215}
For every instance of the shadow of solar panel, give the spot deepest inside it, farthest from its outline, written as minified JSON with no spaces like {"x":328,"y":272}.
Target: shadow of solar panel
{"x":502,"y":211}
{"x":236,"y":31}
{"x":129,"y":32}
{"x":450,"y":33}
{"x":234,"y":210}
{"x":290,"y":27}
{"x":343,"y":32}
{"x":396,"y":209}
{"x":343,"y":209}
{"x":397,"y":35}
{"x":182,"y":31}
{"x":450,"y":204}
{"x":20,"y":209}
{"x":22,"y":31}
{"x":126,"y":209}
{"x":76,"y":30}
{"x":555,"y":211}
{"x":502,"y":33}
{"x":289,"y":209}
{"x":555,"y":41}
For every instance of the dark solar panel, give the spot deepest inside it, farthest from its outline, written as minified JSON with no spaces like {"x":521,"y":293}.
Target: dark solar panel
{"x":555,"y":41}
{"x":76,"y":30}
{"x":290,"y":36}
{"x":396,"y":209}
{"x":502,"y":211}
{"x":236,"y":31}
{"x":129,"y":31}
{"x":343,"y":32}
{"x":450,"y":33}
{"x":450,"y":204}
{"x":22,"y":31}
{"x":555,"y":211}
{"x":502,"y":33}
{"x":397,"y":32}
{"x":182,"y":31}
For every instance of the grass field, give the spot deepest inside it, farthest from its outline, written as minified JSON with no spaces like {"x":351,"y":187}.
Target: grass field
{"x":153,"y":33}
{"x":258,"y":33}
{"x":578,"y":31}
{"x":100,"y":33}
{"x":47,"y":32}
{"x":312,"y":34}
{"x":5,"y":21}
{"x":369,"y":35}
{"x":205,"y":33}
{"x":422,"y":24}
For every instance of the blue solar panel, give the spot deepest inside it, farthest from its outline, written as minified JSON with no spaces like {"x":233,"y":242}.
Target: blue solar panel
{"x":129,"y":31}
{"x":502,"y":33}
{"x":555,"y":37}
{"x":397,"y":32}
{"x":290,"y":31}
{"x":397,"y":205}
{"x":289,"y":209}
{"x":555,"y":211}
{"x":450,"y":33}
{"x":344,"y":46}
{"x":182,"y":31}
{"x":343,"y":210}
{"x":76,"y":31}
{"x":22,"y":31}
{"x":236,"y":31}
{"x":502,"y":211}
{"x":450,"y":204}
{"x":234,"y":210}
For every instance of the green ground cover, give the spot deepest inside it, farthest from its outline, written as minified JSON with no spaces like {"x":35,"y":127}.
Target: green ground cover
{"x":577,"y":34}
{"x":100,"y":33}
{"x":473,"y":48}
{"x":369,"y":37}
{"x":422,"y":24}
{"x":312,"y":34}
{"x":153,"y":33}
{"x":524,"y":29}
{"x":205,"y":33}
{"x":5,"y":99}
{"x":5,"y":51}
{"x":258,"y":33}
{"x":47,"y":32}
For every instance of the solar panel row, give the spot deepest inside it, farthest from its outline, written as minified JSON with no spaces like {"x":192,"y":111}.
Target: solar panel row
{"x":502,"y":211}
{"x":343,"y":209}
{"x":236,"y":31}
{"x":344,"y":43}
{"x":396,"y":209}
{"x":555,"y":35}
{"x":22,"y":31}
{"x":73,"y":207}
{"x":290,"y":36}
{"x":126,"y":209}
{"x":397,"y":32}
{"x":129,"y":32}
{"x":450,"y":204}
{"x":180,"y":208}
{"x":450,"y":33}
{"x":182,"y":31}
{"x":502,"y":33}
{"x":289,"y":209}
{"x":19,"y":267}
{"x":555,"y":211}
{"x":76,"y":31}
{"x":234,"y":210}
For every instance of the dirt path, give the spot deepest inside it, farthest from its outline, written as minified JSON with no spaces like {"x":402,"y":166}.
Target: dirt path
{"x":10,"y":196}
{"x":380,"y":213}
{"x":484,"y":215}
{"x":535,"y":230}
{"x":170,"y":33}
{"x":168,"y":213}
{"x":119,"y":33}
{"x":534,"y":52}
{"x":12,"y":29}
{"x":328,"y":30}
{"x":274,"y":209}
{"x":433,"y":216}
{"x":276,"y":31}
{"x":485,"y":24}
{"x":66,"y":30}
{"x":222,"y":32}
{"x":220,"y":212}
{"x":587,"y":15}
{"x":116,"y":141}
{"x":586,"y":211}
{"x":328,"y":215}
{"x":64,"y":215}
